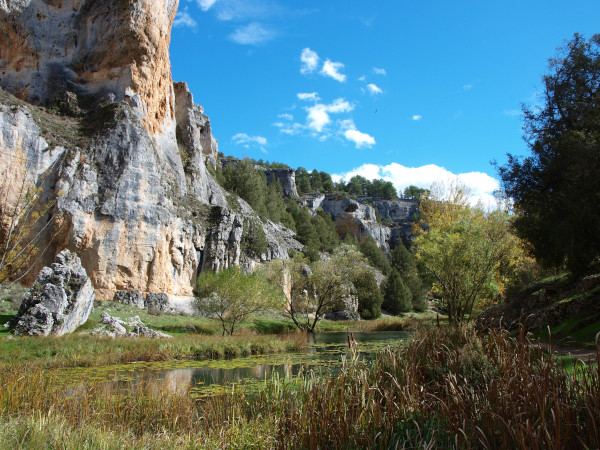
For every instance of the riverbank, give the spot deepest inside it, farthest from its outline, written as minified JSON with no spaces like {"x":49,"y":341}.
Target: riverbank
{"x":446,"y":388}
{"x":193,"y":338}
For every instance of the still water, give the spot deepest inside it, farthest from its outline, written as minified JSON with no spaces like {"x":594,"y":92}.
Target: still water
{"x":208,"y":377}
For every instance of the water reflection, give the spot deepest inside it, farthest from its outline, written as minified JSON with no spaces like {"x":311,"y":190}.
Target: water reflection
{"x":324,"y":352}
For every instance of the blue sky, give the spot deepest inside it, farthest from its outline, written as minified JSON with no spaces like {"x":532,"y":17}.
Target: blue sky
{"x":411,"y":92}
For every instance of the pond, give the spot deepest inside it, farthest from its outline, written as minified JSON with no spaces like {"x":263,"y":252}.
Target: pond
{"x":208,"y":377}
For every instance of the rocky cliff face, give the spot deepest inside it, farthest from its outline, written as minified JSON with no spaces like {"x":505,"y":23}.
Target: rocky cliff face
{"x":127,"y":165}
{"x":113,"y":48}
{"x":359,"y":217}
{"x":287,"y":178}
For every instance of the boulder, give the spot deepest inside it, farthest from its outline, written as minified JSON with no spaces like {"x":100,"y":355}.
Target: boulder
{"x":115,"y":327}
{"x":158,"y":301}
{"x":131,"y":298}
{"x":342,"y":315}
{"x":60,"y":300}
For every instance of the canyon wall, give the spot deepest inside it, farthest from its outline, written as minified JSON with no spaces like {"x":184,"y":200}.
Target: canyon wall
{"x":90,"y":106}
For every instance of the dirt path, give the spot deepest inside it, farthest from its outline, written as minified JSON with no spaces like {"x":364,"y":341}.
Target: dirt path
{"x":584,"y":354}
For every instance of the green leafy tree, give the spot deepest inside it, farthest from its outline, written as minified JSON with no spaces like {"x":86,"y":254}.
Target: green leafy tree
{"x":254,"y":240}
{"x":276,"y":206}
{"x":302,"y":181}
{"x":249,"y":183}
{"x":357,"y":185}
{"x":381,"y":188}
{"x":369,"y":248}
{"x":397,"y":298}
{"x":405,"y":264}
{"x":316,"y":184}
{"x":555,"y":190}
{"x":324,"y":227}
{"x":319,"y":288}
{"x":369,"y":295}
{"x":232,"y":296}
{"x":414,"y":192}
{"x":326,"y":182}
{"x":467,"y":250}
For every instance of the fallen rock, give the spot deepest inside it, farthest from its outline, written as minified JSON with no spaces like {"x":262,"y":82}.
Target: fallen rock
{"x":115,"y":327}
{"x":342,"y":315}
{"x":60,"y":300}
{"x":158,"y":301}
{"x":131,"y":298}
{"x":143,"y":331}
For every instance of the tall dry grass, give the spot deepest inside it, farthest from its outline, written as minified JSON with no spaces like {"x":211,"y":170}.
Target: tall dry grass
{"x":447,"y":389}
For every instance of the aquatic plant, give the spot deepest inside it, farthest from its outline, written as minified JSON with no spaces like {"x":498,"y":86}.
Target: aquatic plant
{"x":447,"y":388}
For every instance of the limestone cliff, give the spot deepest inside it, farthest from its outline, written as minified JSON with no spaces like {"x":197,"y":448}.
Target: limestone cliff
{"x":360,"y":218}
{"x":126,"y":162}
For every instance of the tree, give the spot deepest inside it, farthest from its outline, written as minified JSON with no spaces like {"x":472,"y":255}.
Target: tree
{"x":303,"y":181}
{"x":249,"y":183}
{"x":555,"y":190}
{"x":381,"y":188}
{"x":25,"y":216}
{"x":369,"y":248}
{"x":357,"y":185}
{"x":327,"y":182}
{"x":404,"y":263}
{"x":319,"y":288}
{"x":232,"y":296}
{"x":369,"y":295}
{"x":316,"y":184}
{"x":414,"y":192}
{"x":396,"y":295}
{"x":468,"y":251}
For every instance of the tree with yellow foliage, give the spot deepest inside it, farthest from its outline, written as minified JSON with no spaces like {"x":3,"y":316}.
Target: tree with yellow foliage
{"x":24,"y":218}
{"x":469,"y":252}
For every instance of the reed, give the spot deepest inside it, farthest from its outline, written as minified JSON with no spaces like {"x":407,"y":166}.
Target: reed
{"x":450,"y":388}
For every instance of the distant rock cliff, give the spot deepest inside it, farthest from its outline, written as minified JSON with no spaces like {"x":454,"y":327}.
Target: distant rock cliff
{"x":126,"y":160}
{"x":359,"y":216}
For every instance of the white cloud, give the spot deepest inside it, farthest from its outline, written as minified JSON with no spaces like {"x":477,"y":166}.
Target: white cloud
{"x":332,"y":69}
{"x":360,"y":139}
{"x":379,"y":71}
{"x":251,"y":34}
{"x":310,"y":61}
{"x":245,"y":10}
{"x":417,"y":117}
{"x":318,"y":114}
{"x":362,"y":78}
{"x":467,"y":87}
{"x":292,"y":129}
{"x":286,"y":116}
{"x":205,"y":5}
{"x":183,"y":19}
{"x":247,"y":141}
{"x":374,"y":89}
{"x":481,"y":185}
{"x":308,"y":96}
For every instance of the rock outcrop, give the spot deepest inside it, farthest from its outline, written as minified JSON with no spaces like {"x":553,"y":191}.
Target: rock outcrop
{"x":351,"y":216}
{"x":286,"y":177}
{"x":60,"y":300}
{"x":157,"y":302}
{"x":126,"y":162}
{"x":131,"y":298}
{"x":116,"y":327}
